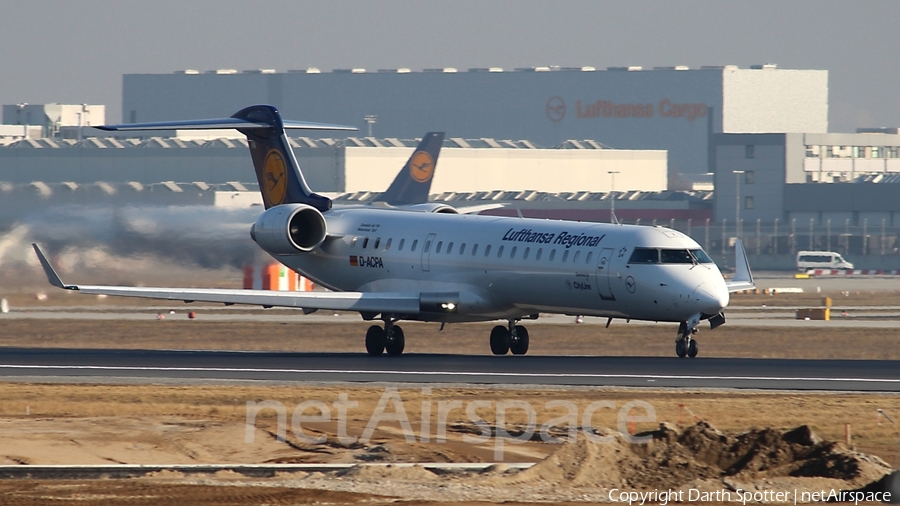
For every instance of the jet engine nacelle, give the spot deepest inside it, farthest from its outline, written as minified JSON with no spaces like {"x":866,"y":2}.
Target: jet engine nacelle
{"x":289,"y":228}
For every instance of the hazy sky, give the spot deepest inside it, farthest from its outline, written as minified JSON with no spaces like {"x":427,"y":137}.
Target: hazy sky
{"x":76,"y":51}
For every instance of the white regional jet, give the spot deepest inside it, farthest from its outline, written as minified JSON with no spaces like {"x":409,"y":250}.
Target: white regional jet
{"x":424,"y":265}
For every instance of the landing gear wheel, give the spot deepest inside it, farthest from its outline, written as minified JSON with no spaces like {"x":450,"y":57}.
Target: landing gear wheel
{"x":693,"y":348}
{"x":375,"y":340}
{"x":518,"y":345}
{"x":500,"y":340}
{"x":394,"y":342}
{"x":680,"y":348}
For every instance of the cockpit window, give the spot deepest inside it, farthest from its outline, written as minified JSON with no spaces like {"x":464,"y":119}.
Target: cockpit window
{"x":676,"y":256}
{"x":644,"y":256}
{"x":701,"y":256}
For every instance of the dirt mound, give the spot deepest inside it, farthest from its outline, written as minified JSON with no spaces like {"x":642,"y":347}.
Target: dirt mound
{"x":702,"y":453}
{"x":390,"y":472}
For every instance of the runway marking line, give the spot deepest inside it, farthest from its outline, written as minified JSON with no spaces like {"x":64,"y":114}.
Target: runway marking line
{"x":446,"y":373}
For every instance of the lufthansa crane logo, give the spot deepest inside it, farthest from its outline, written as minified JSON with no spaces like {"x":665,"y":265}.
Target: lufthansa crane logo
{"x":556,"y":109}
{"x":421,"y":166}
{"x":274,"y":177}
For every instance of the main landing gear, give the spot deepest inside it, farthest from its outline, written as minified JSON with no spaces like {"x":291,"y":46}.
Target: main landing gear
{"x":390,"y":339}
{"x":513,"y":338}
{"x":686,"y":345}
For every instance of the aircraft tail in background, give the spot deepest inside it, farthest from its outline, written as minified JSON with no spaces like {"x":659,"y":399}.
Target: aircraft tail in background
{"x":412,"y":184}
{"x":280,"y":179}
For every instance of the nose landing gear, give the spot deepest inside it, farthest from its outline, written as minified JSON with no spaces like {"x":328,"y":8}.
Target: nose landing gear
{"x":513,"y":338}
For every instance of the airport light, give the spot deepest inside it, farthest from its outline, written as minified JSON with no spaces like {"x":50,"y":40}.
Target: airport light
{"x":612,"y":197}
{"x":371,"y":119}
{"x":737,"y":202}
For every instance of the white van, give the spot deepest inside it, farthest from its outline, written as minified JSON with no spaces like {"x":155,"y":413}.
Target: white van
{"x":821,"y":260}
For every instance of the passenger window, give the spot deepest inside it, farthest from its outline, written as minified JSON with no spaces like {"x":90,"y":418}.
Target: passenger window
{"x":377,"y":242}
{"x":525,"y":256}
{"x":644,"y":256}
{"x":474,"y":250}
{"x":487,"y":251}
{"x":415,"y":243}
{"x":589,"y":257}
{"x":565,"y":256}
{"x":552,"y":254}
{"x":462,"y":248}
{"x":450,"y":248}
{"x":577,"y":255}
{"x":353,"y":242}
{"x":440,"y":244}
{"x":500,"y":252}
{"x":402,"y":241}
{"x":388,"y":245}
{"x":365,"y":242}
{"x":512,"y":254}
{"x":539,"y":253}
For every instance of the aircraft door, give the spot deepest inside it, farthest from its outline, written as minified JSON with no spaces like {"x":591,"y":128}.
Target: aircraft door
{"x":426,"y":252}
{"x":603,"y":268}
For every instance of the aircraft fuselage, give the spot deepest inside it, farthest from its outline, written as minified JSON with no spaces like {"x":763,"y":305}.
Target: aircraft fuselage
{"x":511,"y":268}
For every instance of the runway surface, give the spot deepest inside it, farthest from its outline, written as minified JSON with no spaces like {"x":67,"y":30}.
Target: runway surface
{"x":658,"y":372}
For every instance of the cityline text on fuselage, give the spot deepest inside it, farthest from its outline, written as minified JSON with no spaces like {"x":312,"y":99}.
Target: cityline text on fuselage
{"x":562,"y":238}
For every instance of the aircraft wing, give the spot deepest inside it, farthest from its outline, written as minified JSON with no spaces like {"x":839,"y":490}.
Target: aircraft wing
{"x":743,"y":278}
{"x":405,"y":303}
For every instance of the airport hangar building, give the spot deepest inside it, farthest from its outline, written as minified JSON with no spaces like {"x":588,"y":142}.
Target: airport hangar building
{"x":667,"y":108}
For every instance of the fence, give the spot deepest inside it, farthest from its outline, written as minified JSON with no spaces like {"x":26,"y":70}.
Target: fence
{"x":786,"y":238}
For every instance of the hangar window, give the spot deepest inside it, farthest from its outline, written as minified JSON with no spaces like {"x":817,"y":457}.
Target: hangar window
{"x":749,"y":177}
{"x":415,"y":243}
{"x":500,"y":252}
{"x":749,"y":151}
{"x":487,"y":251}
{"x":450,"y":248}
{"x":402,"y":241}
{"x":748,"y":203}
{"x":552,"y":254}
{"x":565,"y":256}
{"x":525,"y":256}
{"x":462,"y":248}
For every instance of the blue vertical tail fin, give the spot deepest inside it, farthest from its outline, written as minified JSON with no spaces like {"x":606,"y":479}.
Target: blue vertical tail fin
{"x":412,"y":184}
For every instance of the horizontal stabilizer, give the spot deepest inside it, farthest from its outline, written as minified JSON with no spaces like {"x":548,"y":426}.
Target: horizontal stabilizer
{"x":220,"y":124}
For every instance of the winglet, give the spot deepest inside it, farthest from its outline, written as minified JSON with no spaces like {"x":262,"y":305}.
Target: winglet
{"x":743,"y":278}
{"x":52,"y":276}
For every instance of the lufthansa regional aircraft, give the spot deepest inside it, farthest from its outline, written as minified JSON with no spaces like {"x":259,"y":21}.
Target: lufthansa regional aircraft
{"x":433,"y":265}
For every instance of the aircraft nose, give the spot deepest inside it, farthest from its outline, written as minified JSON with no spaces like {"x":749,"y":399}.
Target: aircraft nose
{"x":711,"y":300}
